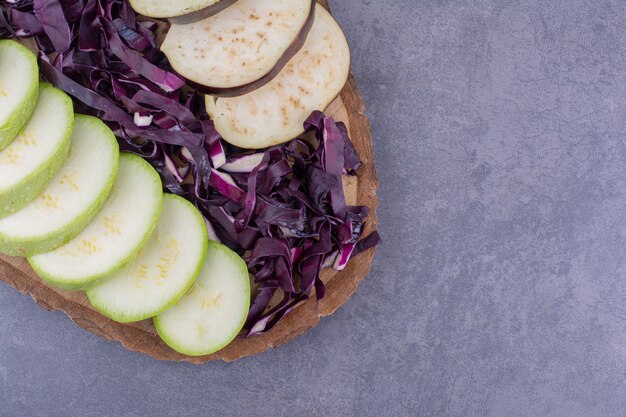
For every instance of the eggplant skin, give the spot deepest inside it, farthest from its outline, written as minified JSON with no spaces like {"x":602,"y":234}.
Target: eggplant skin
{"x":289,"y":53}
{"x":202,"y":14}
{"x":177,"y":13}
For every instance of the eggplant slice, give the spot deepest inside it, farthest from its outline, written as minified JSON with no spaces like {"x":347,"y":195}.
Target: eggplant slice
{"x":275,"y":113}
{"x":242,"y":48}
{"x":180,"y":11}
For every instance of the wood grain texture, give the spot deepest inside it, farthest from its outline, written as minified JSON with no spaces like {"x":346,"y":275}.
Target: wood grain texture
{"x":142,"y":336}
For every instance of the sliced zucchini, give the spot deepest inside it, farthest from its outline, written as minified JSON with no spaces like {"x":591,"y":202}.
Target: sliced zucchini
{"x":19,"y":87}
{"x":180,"y":11}
{"x":115,"y":235}
{"x":162,"y":272}
{"x":72,"y":199}
{"x":213,"y":311}
{"x":275,"y":113}
{"x":242,"y":48}
{"x":36,"y":155}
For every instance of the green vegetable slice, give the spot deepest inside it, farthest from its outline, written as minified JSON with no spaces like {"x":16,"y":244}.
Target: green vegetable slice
{"x":116,"y":234}
{"x":162,"y":272}
{"x":36,"y":155}
{"x":72,"y":199}
{"x":213,"y":311}
{"x":19,"y":87}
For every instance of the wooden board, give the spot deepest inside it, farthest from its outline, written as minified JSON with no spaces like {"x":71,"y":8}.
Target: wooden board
{"x":142,"y":336}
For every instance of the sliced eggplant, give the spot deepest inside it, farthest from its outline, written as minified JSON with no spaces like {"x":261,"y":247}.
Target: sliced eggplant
{"x":275,"y":113}
{"x":180,"y":11}
{"x":242,"y":48}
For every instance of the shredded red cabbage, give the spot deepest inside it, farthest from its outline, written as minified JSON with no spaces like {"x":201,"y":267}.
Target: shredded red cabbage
{"x":283,"y":209}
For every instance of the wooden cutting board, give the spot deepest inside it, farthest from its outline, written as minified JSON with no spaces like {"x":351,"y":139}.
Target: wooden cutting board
{"x":142,"y":336}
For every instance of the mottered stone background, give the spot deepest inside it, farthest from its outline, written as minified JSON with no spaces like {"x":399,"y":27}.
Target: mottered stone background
{"x":500,"y":131}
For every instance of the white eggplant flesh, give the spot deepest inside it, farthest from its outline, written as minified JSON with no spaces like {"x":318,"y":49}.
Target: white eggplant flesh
{"x":171,"y":8}
{"x":241,"y":45}
{"x":275,"y":113}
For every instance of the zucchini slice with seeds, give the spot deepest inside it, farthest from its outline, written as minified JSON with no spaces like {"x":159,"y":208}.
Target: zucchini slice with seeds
{"x":37,"y":154}
{"x":72,"y":199}
{"x":162,"y":272}
{"x":115,"y":235}
{"x":19,"y":87}
{"x":212,"y":313}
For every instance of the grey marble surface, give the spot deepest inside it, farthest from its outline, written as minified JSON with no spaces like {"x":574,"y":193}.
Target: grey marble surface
{"x":500,"y":290}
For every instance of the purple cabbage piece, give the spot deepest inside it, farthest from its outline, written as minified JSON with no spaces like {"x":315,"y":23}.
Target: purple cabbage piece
{"x":27,"y":23}
{"x":52,"y":18}
{"x":367,"y":243}
{"x":225,"y":185}
{"x":72,"y":9}
{"x":6,"y":31}
{"x":345,"y":253}
{"x":166,"y":80}
{"x":217,"y":153}
{"x":243,"y":163}
{"x":282,"y":209}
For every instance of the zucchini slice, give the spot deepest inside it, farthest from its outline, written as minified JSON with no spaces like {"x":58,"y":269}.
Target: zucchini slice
{"x":115,"y":235}
{"x":212,"y":313}
{"x":72,"y":199}
{"x":275,"y":113}
{"x":19,"y":87}
{"x":162,"y":272}
{"x":36,"y":155}
{"x":242,"y":48}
